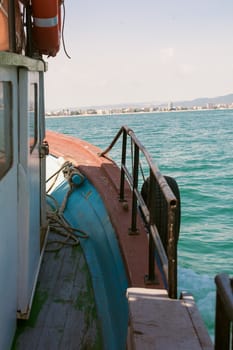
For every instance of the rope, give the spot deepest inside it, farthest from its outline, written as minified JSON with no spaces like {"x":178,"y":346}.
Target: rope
{"x":56,"y":174}
{"x":2,"y":8}
{"x":63,"y":27}
{"x":61,"y":243}
{"x":57,"y":222}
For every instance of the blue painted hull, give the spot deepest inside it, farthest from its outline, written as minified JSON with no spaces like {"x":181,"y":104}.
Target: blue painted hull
{"x":85,"y":210}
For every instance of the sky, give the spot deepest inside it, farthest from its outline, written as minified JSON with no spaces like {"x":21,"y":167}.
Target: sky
{"x":125,"y":52}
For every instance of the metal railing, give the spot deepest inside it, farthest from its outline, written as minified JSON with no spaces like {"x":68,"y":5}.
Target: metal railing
{"x":169,"y":260}
{"x":224,"y":313}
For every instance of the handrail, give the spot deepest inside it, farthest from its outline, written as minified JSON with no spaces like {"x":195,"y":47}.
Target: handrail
{"x":224,"y":312}
{"x":168,"y":262}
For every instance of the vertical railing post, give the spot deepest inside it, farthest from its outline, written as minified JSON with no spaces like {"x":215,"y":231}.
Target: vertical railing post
{"x":224,"y":312}
{"x":151,"y":259}
{"x":123,"y":161}
{"x":222,"y":326}
{"x":133,"y":229}
{"x":172,"y":254}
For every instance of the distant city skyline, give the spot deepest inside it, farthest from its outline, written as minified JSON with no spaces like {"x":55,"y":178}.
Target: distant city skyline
{"x":221,"y":102}
{"x":133,"y":51}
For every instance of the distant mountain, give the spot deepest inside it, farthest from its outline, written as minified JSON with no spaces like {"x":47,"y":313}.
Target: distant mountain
{"x":226,"y":99}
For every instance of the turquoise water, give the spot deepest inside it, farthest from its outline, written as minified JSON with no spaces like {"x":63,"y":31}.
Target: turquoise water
{"x":195,"y":148}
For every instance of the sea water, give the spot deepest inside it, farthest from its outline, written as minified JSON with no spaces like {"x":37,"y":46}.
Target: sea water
{"x":194,"y":147}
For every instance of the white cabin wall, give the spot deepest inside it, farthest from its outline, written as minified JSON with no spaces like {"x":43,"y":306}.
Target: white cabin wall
{"x":29,"y":197}
{"x":24,"y":205}
{"x":43,"y":217}
{"x":8,"y":228}
{"x":20,"y":190}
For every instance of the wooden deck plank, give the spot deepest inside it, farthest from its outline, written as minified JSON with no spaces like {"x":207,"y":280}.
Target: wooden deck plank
{"x":160,"y":323}
{"x":63,"y":314}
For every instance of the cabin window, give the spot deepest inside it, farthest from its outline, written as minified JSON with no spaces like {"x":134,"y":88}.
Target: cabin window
{"x":33,"y":111}
{"x":6,"y":149}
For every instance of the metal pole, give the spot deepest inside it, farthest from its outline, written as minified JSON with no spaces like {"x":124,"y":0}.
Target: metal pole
{"x":11,"y":25}
{"x":123,"y":159}
{"x":151,"y":195}
{"x":224,"y":312}
{"x":172,"y":254}
{"x":135,"y":187}
{"x":29,"y":49}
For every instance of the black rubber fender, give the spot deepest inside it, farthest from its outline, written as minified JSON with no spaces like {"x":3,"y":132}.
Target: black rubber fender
{"x":161,"y":220}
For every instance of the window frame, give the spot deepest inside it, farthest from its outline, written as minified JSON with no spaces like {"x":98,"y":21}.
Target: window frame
{"x":6,"y":132}
{"x":33,"y":115}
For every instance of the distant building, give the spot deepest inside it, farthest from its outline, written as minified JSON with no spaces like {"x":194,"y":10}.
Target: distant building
{"x":170,"y":106}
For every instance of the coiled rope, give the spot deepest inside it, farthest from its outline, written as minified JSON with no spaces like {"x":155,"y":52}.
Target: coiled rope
{"x":55,"y":213}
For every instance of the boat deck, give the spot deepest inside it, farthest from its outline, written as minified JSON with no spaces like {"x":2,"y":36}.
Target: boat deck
{"x":63,"y":313}
{"x":157,"y":322}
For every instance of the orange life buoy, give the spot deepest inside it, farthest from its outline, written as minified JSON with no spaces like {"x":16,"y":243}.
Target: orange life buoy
{"x":46,"y":26}
{"x":4,"y":38}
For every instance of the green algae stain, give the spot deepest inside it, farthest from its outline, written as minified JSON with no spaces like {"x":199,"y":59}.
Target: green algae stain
{"x":84,"y":302}
{"x":38,"y":302}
